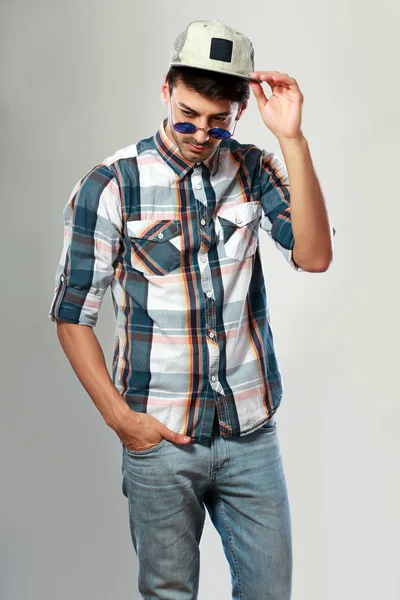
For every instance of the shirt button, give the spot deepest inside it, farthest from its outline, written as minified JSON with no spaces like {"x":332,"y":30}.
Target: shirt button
{"x":202,"y":222}
{"x":213,"y":378}
{"x":238,"y":220}
{"x":209,"y":294}
{"x":161,"y":235}
{"x":203,"y":258}
{"x":62,"y":277}
{"x":211,"y":334}
{"x":198,"y":164}
{"x":198,"y":186}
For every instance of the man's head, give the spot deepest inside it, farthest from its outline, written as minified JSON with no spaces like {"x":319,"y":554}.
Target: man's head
{"x":207,"y":83}
{"x":205,"y":98}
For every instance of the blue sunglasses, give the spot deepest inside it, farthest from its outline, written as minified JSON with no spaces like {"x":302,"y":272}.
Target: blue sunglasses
{"x":216,"y":132}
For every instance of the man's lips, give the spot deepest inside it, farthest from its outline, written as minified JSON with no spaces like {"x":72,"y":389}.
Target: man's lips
{"x":196,"y":148}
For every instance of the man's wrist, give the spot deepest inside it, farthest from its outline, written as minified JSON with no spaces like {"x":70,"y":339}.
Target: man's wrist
{"x":117,"y":414}
{"x":292,"y":142}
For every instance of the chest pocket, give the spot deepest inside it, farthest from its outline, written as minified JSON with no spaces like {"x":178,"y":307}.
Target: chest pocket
{"x":156,"y":245}
{"x":240,"y":228}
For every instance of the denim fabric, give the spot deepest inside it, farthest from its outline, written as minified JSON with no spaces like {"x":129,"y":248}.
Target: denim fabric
{"x":240,"y":481}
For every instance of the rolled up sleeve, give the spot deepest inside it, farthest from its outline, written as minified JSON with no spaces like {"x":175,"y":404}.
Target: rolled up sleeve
{"x":275,"y":199}
{"x":92,"y":239}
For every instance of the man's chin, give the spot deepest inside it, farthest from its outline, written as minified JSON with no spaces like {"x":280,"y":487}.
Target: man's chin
{"x":193,"y":156}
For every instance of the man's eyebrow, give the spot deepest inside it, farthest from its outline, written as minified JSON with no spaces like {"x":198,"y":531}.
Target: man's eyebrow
{"x":221,"y":114}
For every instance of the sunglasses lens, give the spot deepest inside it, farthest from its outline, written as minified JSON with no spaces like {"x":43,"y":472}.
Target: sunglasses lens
{"x":215,"y":132}
{"x":219,"y":133}
{"x":185,"y":127}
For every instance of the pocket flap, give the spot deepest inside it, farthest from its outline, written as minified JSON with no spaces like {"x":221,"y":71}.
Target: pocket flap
{"x":241,"y":214}
{"x":154,"y":230}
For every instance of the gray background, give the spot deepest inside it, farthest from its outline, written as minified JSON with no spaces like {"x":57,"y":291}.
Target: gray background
{"x":81,"y":80}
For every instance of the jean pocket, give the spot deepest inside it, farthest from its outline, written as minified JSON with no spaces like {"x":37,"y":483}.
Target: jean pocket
{"x":240,"y":226}
{"x":156,"y":245}
{"x":146,"y":450}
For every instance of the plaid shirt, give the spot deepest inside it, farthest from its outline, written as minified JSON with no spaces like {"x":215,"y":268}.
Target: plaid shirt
{"x":178,"y":244}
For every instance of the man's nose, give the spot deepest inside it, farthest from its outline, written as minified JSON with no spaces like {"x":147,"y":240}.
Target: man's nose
{"x":201,"y":136}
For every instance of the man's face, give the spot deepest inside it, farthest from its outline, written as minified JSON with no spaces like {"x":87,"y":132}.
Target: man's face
{"x":188,"y":105}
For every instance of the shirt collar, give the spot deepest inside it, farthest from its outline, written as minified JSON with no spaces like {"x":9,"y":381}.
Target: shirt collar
{"x":172,"y":156}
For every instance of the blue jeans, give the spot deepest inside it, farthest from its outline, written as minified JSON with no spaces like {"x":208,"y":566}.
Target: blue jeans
{"x":241,"y":482}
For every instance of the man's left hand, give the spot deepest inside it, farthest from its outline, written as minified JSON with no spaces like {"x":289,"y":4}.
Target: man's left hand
{"x":282,"y":111}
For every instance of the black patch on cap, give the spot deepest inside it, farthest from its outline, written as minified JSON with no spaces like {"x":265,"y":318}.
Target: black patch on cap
{"x":221,"y":49}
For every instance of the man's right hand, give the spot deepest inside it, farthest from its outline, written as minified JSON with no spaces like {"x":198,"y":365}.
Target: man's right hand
{"x":141,"y":431}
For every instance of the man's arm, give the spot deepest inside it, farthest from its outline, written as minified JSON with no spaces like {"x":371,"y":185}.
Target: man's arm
{"x":92,"y":239}
{"x":138,"y":431}
{"x":83,"y":350}
{"x":313,"y":249}
{"x":303,"y":228}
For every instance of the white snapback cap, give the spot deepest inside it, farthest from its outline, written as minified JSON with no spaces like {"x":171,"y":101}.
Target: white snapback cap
{"x":214,"y":46}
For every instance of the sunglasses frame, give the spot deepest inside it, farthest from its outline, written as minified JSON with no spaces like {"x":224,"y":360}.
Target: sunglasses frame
{"x":208,"y":130}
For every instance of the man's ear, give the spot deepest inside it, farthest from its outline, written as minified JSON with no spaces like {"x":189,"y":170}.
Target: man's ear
{"x":164,"y":91}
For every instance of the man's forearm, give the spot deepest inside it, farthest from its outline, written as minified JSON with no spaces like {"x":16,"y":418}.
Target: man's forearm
{"x":86,"y":357}
{"x":312,"y":232}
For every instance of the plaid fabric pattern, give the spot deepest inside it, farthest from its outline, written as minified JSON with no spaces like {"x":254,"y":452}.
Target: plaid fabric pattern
{"x":178,"y":245}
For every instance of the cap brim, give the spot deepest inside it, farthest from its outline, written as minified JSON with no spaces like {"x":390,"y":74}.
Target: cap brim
{"x":248,"y":78}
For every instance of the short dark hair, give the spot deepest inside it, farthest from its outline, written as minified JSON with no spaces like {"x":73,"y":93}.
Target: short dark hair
{"x":213,"y":85}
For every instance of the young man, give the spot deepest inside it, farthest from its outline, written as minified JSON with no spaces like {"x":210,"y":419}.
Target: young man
{"x":172,"y":225}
